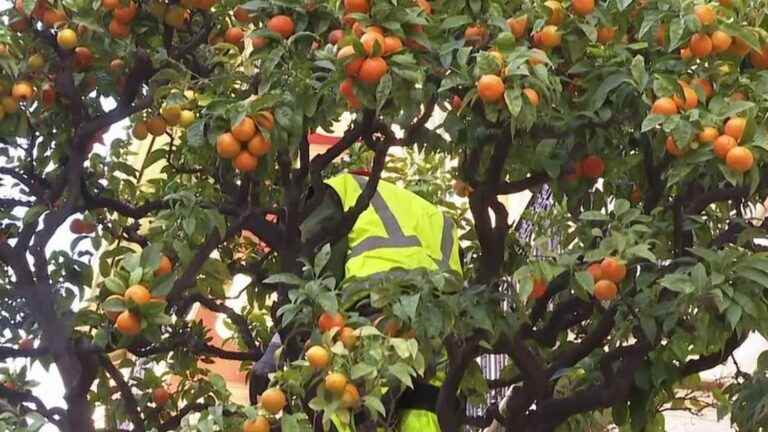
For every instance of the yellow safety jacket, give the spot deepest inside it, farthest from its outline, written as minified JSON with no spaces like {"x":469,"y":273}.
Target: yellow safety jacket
{"x":399,"y":229}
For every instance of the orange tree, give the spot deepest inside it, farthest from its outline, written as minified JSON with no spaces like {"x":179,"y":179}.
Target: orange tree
{"x":645,"y":118}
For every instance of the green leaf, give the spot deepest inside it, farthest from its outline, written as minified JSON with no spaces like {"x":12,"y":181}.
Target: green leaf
{"x":651,"y":122}
{"x":455,"y":21}
{"x":699,"y":276}
{"x":328,"y":301}
{"x":402,"y":372}
{"x":113,"y":304}
{"x":401,"y":347}
{"x":321,"y":259}
{"x":649,"y":327}
{"x":136,"y":276}
{"x":150,"y":257}
{"x":289,"y":423}
{"x":369,"y":331}
{"x":514,"y":101}
{"x":374,"y":405}
{"x":382,"y":91}
{"x":115,"y":285}
{"x":601,"y":93}
{"x":678,"y":282}
{"x":196,"y":134}
{"x":593,"y":215}
{"x":585,"y":280}
{"x":360,"y":370}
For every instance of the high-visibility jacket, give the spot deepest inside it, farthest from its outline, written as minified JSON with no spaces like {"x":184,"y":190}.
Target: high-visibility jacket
{"x":399,"y":229}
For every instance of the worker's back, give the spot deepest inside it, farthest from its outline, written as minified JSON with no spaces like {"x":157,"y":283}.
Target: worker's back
{"x":399,"y":229}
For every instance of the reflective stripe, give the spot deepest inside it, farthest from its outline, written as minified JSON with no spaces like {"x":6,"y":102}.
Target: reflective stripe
{"x":395,"y":236}
{"x":446,"y":243}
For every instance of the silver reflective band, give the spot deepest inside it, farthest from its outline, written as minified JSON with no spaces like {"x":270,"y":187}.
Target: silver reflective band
{"x":395,"y":236}
{"x":446,"y":243}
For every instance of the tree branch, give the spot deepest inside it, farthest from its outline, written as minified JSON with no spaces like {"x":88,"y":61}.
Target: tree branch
{"x":132,"y":406}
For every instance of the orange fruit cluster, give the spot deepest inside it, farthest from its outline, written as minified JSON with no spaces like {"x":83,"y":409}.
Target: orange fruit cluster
{"x":368,"y":69}
{"x":122,"y":17}
{"x":607,"y":274}
{"x":244,"y":144}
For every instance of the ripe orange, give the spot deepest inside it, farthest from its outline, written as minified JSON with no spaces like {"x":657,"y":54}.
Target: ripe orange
{"x":356,"y":6}
{"x":140,"y":130}
{"x":22,"y":91}
{"x":556,"y":12}
{"x":258,"y":145}
{"x":245,"y":162}
{"x":550,"y":36}
{"x":348,"y":337}
{"x":605,"y":290}
{"x":636,"y":195}
{"x":227,"y":146}
{"x":258,"y":42}
{"x":329,"y":321}
{"x":265,"y":120}
{"x":165,"y":266}
{"x":596,"y":271}
{"x":160,"y":396}
{"x":425,"y":6}
{"x":372,"y":70}
{"x":456,"y":103}
{"x":128,"y":324}
{"x":126,"y":14}
{"x":9,"y":104}
{"x":282,"y":25}
{"x":735,"y":126}
{"x":83,"y":57}
{"x":686,"y":54}
{"x":318,"y":357}
{"x":759,"y":59}
{"x":532,"y":96}
{"x":726,"y":3}
{"x":259,"y":424}
{"x":701,"y":45}
{"x":518,"y":26}
{"x":392,"y":45}
{"x":691,"y":99}
{"x":352,"y":63}
{"x":234,"y":35}
{"x":739,"y":159}
{"x":490,"y":88}
{"x":738,"y":96}
{"x":721,"y":41}
{"x":175,"y":16}
{"x":672,"y":148}
{"x":664,"y":106}
{"x":110,"y":4}
{"x":350,"y":397}
{"x":53,"y":16}
{"x":26,"y":344}
{"x":583,"y":7}
{"x":708,"y":135}
{"x":242,"y":15}
{"x":592,"y":166}
{"x":704,"y":85}
{"x":539,"y":289}
{"x":48,"y":95}
{"x":705,"y":14}
{"x":139,"y":294}
{"x":392,"y":327}
{"x":119,"y":30}
{"x":613,"y":269}
{"x":335,"y":36}
{"x":723,"y":144}
{"x":605,"y":35}
{"x":335,"y":382}
{"x":244,"y":130}
{"x":273,"y":400}
{"x":346,"y":88}
{"x":370,"y":40}
{"x":739,"y":47}
{"x":476,"y":34}
{"x":156,"y":125}
{"x":67,"y":39}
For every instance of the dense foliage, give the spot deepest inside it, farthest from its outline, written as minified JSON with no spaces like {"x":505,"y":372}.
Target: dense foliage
{"x":646,"y":120}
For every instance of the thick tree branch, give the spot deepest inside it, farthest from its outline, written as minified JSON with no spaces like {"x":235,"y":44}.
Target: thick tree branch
{"x":132,"y":406}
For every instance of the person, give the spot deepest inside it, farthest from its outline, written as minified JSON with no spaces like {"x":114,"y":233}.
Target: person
{"x":399,"y":229}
